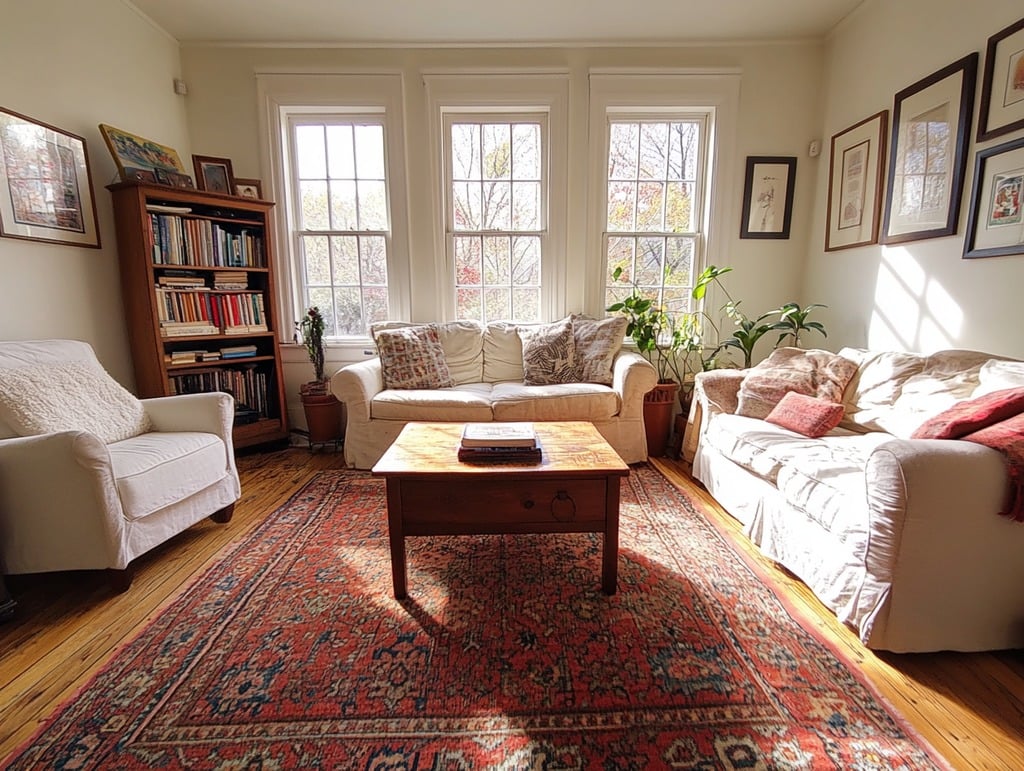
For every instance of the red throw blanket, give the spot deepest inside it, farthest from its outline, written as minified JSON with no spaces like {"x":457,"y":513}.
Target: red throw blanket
{"x":995,"y":420}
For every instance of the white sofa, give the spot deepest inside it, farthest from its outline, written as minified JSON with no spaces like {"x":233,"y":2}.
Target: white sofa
{"x":486,"y":363}
{"x":900,"y":537}
{"x":90,"y":477}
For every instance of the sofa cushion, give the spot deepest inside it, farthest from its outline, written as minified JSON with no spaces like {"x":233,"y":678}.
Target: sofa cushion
{"x":972,"y":414}
{"x":43,"y":398}
{"x":598,"y":342}
{"x":549,"y":353}
{"x":564,"y":401}
{"x":462,"y":341}
{"x":806,"y":415}
{"x":154,"y":470}
{"x":412,"y":357}
{"x":463,"y":403}
{"x":810,"y":372}
{"x":503,"y":352}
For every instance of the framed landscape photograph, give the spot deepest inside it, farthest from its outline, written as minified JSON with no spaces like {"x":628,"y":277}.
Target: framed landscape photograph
{"x":855,"y":183}
{"x":214,"y":174}
{"x":45,"y":184}
{"x":134,"y":154}
{"x":1002,"y":87}
{"x":248,"y":188}
{"x":995,"y":225}
{"x":931,"y":120}
{"x":768,"y":197}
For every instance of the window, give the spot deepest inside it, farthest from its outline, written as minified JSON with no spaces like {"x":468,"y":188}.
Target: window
{"x":655,"y":206}
{"x":495,"y":214}
{"x":342,"y":233}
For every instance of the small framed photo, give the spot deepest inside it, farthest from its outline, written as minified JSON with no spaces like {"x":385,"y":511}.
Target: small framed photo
{"x":134,"y":154}
{"x":931,"y":120}
{"x":174,"y":179}
{"x":855,"y":184}
{"x":248,"y":188}
{"x":768,"y":197}
{"x":214,"y":174}
{"x":45,"y":184}
{"x":995,"y":226}
{"x":1002,"y":86}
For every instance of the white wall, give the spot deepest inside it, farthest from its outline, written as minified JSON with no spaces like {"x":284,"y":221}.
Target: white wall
{"x":75,"y":65}
{"x":921,"y":295}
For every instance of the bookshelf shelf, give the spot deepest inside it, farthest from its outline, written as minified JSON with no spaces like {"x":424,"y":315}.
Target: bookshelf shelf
{"x":197,"y":277}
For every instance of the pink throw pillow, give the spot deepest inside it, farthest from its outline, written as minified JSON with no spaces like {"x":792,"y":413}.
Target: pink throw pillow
{"x":967,"y":416}
{"x":806,"y":415}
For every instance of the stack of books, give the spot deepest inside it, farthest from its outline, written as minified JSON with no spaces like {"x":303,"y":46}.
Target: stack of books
{"x":238,"y":351}
{"x":499,"y":443}
{"x":230,"y":279}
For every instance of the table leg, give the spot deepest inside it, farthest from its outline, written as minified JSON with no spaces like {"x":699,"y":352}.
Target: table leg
{"x":396,"y":536}
{"x":610,"y":557}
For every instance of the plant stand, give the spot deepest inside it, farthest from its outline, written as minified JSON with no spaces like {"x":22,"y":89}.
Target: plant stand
{"x":659,"y":404}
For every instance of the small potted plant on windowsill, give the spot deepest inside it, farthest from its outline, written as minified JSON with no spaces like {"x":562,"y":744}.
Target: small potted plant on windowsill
{"x":323,"y":411}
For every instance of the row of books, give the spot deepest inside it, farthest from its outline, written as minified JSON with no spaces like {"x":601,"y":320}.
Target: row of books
{"x":499,"y":443}
{"x":180,"y":240}
{"x":202,"y":355}
{"x":187,"y":312}
{"x":223,"y":280}
{"x":248,"y":385}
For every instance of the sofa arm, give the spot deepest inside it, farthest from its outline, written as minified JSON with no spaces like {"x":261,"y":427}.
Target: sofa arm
{"x":632,"y":377}
{"x":211,"y":412}
{"x":356,"y":385}
{"x":718,"y":390}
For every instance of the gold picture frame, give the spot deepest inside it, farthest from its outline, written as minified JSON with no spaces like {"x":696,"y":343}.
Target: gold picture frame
{"x":134,"y":154}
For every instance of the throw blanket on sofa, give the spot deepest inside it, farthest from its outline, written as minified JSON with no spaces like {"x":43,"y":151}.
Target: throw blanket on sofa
{"x":995,"y":420}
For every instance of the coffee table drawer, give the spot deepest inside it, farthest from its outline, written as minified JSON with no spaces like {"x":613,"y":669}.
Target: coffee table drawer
{"x":474,"y":505}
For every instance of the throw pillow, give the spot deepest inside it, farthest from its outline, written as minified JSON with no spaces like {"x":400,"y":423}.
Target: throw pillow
{"x":806,"y":415}
{"x":810,"y":372}
{"x":971,"y":415}
{"x":549,"y":353}
{"x":69,"y":396}
{"x":598,"y":342}
{"x":412,"y":357}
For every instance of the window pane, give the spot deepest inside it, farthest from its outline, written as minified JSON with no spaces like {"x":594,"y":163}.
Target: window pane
{"x":321,"y":297}
{"x":497,"y":303}
{"x":497,"y":205}
{"x":679,"y":208}
{"x":309,"y":147}
{"x":621,"y":205}
{"x":620,"y":255}
{"x":343,"y":205}
{"x":653,"y":150}
{"x":526,"y":206}
{"x":313,"y":197}
{"x":678,"y":262}
{"x":465,"y":149}
{"x":497,"y":154}
{"x":649,"y":201}
{"x":467,"y":260}
{"x":369,"y":152}
{"x":622,"y":150}
{"x":340,"y":162}
{"x":373,"y":259}
{"x":346,"y":260}
{"x":318,"y":264}
{"x":497,"y":261}
{"x":469,"y":303}
{"x":466,"y":205}
{"x":349,"y":315}
{"x":649,"y":252}
{"x":526,"y":261}
{"x":685,"y":153}
{"x":373,"y":206}
{"x":375,"y":303}
{"x":526,"y":151}
{"x":526,"y":304}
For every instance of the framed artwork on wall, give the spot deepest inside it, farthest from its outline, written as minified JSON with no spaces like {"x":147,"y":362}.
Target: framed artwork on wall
{"x":214,"y":174}
{"x":1002,"y":85}
{"x":45,"y":184}
{"x":855,"y":183}
{"x":768,"y":196}
{"x":995,"y":225}
{"x":931,"y":120}
{"x":137,"y":158}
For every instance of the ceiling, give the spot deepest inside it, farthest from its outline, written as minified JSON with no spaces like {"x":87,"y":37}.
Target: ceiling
{"x":492,"y":22}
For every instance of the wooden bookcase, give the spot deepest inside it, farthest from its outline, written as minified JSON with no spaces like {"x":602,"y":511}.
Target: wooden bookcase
{"x":185,"y":256}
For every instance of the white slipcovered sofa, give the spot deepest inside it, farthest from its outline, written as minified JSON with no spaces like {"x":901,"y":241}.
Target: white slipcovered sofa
{"x":90,"y":476}
{"x":486,"y":365}
{"x":900,"y":537}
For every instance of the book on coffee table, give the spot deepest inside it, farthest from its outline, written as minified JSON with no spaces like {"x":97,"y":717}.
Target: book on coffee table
{"x":500,"y":454}
{"x":499,"y":436}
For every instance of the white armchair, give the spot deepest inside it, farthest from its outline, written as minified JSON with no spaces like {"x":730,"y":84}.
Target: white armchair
{"x":90,"y":476}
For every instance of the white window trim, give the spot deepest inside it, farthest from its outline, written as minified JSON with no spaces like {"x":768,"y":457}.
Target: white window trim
{"x":475,"y":92}
{"x":718,"y":93}
{"x":282,"y":94}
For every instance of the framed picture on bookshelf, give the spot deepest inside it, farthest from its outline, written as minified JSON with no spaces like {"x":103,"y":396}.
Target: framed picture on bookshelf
{"x":134,"y":154}
{"x":45,"y":184}
{"x":214,"y":174}
{"x":174,"y":179}
{"x":248,"y":188}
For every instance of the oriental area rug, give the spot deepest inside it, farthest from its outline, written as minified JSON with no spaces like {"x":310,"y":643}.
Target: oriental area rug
{"x":291,"y":652}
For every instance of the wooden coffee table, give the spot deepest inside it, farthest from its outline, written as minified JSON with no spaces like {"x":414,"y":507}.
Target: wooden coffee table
{"x":574,"y":489}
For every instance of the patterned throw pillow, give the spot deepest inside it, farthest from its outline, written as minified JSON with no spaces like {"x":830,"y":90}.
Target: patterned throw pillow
{"x":412,"y":357}
{"x":549,"y":353}
{"x":812,"y":372}
{"x":598,"y":342}
{"x":806,"y":415}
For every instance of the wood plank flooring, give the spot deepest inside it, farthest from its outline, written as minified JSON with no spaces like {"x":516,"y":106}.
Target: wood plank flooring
{"x":969,"y":706}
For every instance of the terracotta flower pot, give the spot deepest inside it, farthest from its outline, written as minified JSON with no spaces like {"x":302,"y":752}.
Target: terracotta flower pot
{"x":659,"y":405}
{"x":323,"y":417}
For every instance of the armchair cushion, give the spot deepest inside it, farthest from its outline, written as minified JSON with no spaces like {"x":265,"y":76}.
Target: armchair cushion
{"x":66,"y":396}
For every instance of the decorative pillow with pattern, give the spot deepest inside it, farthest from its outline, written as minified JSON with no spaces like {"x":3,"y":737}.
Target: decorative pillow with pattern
{"x":806,"y":415}
{"x":412,"y":357}
{"x":598,"y":342}
{"x":549,"y":353}
{"x":810,"y":372}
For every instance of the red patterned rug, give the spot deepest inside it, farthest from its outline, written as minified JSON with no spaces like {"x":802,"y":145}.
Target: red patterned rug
{"x":292,"y":653}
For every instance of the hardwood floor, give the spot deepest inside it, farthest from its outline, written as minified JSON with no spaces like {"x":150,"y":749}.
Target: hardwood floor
{"x":969,"y":706}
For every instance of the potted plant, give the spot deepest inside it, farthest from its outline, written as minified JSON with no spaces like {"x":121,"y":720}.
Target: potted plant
{"x":323,"y":411}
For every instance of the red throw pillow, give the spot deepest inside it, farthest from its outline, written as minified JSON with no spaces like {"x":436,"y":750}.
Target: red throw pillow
{"x":806,"y":415}
{"x":970,"y":415}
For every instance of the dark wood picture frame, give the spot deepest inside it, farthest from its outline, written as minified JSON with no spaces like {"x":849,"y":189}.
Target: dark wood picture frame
{"x":908,"y":216}
{"x":248,"y":188}
{"x":995,"y":224}
{"x":1002,"y":88}
{"x":856,"y":162}
{"x":767,"y":211}
{"x":214,"y":175}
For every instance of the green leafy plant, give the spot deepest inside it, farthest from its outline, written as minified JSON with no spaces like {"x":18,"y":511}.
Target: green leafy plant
{"x":654,"y":330}
{"x":793,"y":321}
{"x":312,"y":330}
